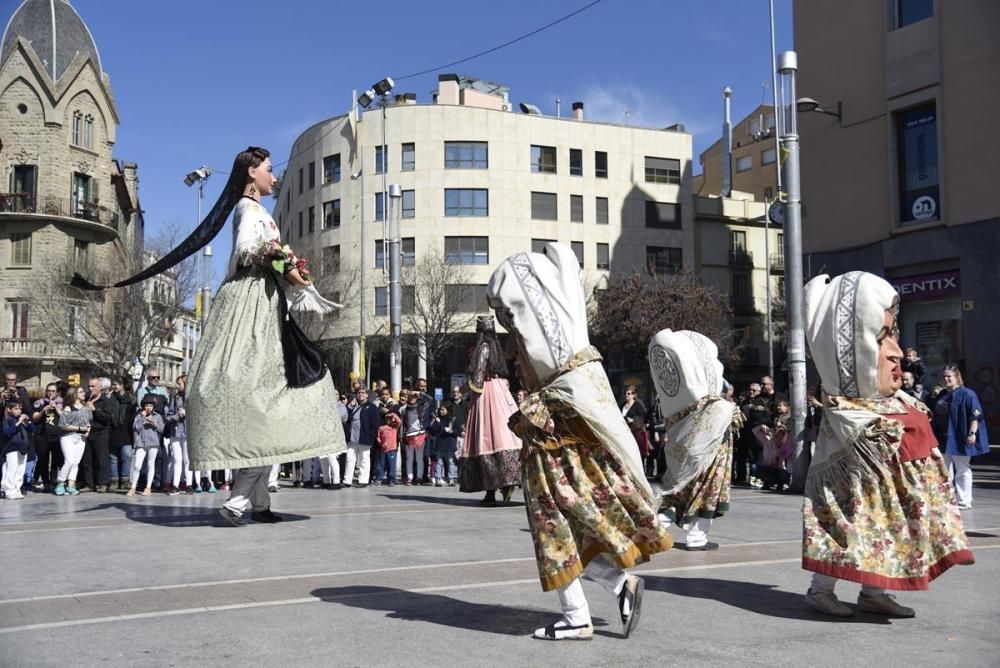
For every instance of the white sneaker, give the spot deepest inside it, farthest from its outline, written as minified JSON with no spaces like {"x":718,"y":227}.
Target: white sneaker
{"x":561,"y":630}
{"x":15,"y":494}
{"x":827,"y":603}
{"x":884,"y":604}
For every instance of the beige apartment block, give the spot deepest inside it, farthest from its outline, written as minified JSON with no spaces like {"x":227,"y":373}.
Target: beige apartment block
{"x":742,"y":255}
{"x":480,"y":182}
{"x":65,"y":204}
{"x":754,"y":167}
{"x":903,"y":183}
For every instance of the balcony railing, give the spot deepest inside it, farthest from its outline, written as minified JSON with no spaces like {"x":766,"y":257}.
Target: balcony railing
{"x":34,"y":348}
{"x":742,"y":305}
{"x":63,"y":207}
{"x":778,"y":262}
{"x":740,"y":258}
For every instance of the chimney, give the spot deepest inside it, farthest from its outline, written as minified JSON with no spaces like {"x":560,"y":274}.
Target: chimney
{"x":448,"y":89}
{"x":578,"y":111}
{"x":727,"y":143}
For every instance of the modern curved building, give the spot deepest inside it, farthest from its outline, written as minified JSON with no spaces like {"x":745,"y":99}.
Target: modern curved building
{"x":479,"y":182}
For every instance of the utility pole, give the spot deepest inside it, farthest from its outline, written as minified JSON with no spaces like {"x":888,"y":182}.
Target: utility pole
{"x":395,"y":294}
{"x":795,"y":338}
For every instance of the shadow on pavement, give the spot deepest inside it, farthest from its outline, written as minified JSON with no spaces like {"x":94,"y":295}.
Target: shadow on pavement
{"x":467,"y":502}
{"x":763,"y":599}
{"x":441,"y":610}
{"x":169,"y":516}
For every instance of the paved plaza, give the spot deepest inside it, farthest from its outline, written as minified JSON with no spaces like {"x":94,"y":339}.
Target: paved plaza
{"x":396,"y":576}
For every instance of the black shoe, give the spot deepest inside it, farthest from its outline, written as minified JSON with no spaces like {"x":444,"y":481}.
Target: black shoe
{"x":266,"y":516}
{"x":631,"y":593}
{"x":231,"y":517}
{"x":336,"y":485}
{"x":308,"y":484}
{"x":700,"y":548}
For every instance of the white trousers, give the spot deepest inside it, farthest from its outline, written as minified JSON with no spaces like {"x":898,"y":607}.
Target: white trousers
{"x":575,"y":609}
{"x":72,"y":446}
{"x":361,"y":456}
{"x":826,"y":583}
{"x":961,"y":473}
{"x":179,"y":462}
{"x":330,"y":468}
{"x":272,"y":478}
{"x":13,"y":472}
{"x":140,"y":454}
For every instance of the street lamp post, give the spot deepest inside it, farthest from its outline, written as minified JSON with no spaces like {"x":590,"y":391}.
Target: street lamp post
{"x":795,"y":338}
{"x":203,"y":273}
{"x":395,"y":294}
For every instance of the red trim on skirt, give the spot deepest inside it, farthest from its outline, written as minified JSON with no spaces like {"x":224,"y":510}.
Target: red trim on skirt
{"x":958,"y":558}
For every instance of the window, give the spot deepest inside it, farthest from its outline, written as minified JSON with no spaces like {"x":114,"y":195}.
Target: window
{"x":83,"y":130}
{"x":663,"y":170}
{"x":603,"y":256}
{"x":331,"y":168}
{"x":83,"y":194}
{"x":577,"y":247}
{"x":379,"y":206}
{"x":409,"y":157}
{"x":601,"y":164}
{"x":544,"y":206}
{"x":20,"y":249}
{"x":466,"y":202}
{"x":916,"y":144}
{"x":18,"y":315}
{"x":664,"y":259}
{"x":538,"y":245}
{"x":467,"y":250}
{"x":407,"y":301}
{"x":664,"y":215}
{"x":753,"y":126}
{"x":76,"y":322}
{"x":576,"y":208}
{"x":331,"y":214}
{"x":381,"y":155}
{"x":543,"y":159}
{"x":331,"y":259}
{"x":312,"y":219}
{"x":465,"y":298}
{"x":302,"y":180}
{"x":407,"y":251}
{"x":300,"y":225}
{"x":911,"y":11}
{"x":744,"y":162}
{"x":601,"y":217}
{"x":737,"y":240}
{"x":312,"y":175}
{"x":767,"y":157}
{"x":466,"y":155}
{"x":81,"y":253}
{"x":288,"y":200}
{"x":768,"y":121}
{"x":576,"y":162}
{"x":409,"y":204}
{"x":739,"y":295}
{"x":22,"y":185}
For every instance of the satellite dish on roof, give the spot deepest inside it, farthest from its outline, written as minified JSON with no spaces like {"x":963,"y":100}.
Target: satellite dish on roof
{"x":530,"y":109}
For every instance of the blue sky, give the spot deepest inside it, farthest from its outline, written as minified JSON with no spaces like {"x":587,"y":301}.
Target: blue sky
{"x":197,"y":80}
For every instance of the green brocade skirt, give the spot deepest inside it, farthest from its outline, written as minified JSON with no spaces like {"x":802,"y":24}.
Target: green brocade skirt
{"x":240,"y":410}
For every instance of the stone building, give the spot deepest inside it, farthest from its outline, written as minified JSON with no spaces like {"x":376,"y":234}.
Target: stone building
{"x":481,"y":181}
{"x":65,"y":203}
{"x":753,"y":161}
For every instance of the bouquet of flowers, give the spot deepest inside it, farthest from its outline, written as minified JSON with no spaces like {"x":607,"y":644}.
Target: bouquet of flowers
{"x":282,"y":259}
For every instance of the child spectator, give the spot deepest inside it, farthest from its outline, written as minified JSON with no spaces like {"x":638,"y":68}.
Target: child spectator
{"x":388,"y":440}
{"x":446,"y":430}
{"x":778,"y":445}
{"x":147,"y":430}
{"x":17,"y":434}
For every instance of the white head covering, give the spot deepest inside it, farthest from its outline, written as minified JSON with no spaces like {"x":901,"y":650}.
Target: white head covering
{"x":688,"y":378}
{"x":843,"y":317}
{"x":540,"y":296}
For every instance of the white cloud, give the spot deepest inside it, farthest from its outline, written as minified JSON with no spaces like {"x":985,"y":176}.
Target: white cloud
{"x":633,"y":105}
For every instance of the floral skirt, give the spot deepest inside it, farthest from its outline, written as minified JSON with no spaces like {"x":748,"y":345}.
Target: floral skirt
{"x":581,"y":503}
{"x":896,"y":532}
{"x":707,"y":496}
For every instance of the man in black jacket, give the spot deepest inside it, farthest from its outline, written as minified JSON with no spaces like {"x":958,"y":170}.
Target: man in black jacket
{"x":360,"y":430}
{"x":96,"y":464}
{"x":120,"y":437}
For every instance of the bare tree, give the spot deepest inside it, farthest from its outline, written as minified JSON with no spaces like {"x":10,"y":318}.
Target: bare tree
{"x":635,"y":306}
{"x":341,"y":284}
{"x":442,"y":309}
{"x":109,"y":329}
